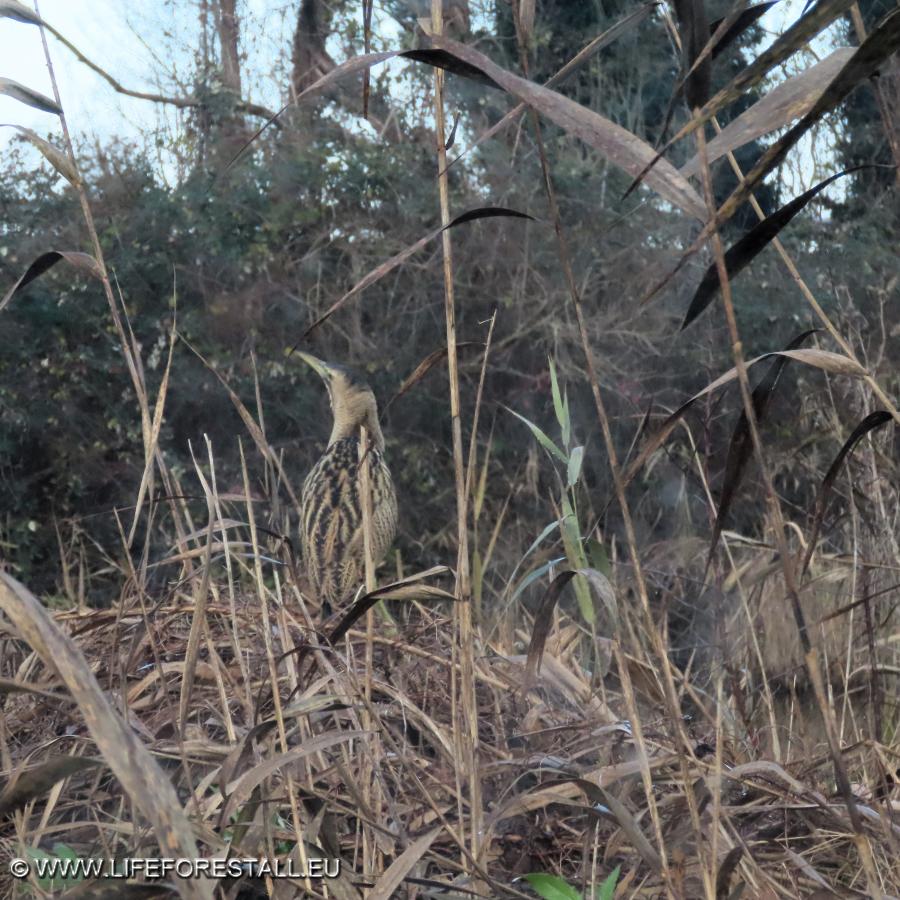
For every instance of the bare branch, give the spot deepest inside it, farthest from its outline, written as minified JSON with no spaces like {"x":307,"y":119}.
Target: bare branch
{"x":188,"y":102}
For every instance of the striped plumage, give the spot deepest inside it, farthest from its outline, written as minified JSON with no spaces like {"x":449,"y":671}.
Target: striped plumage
{"x":331,"y":523}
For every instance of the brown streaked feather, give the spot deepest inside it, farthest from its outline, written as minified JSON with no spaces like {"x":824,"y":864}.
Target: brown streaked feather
{"x":331,"y":519}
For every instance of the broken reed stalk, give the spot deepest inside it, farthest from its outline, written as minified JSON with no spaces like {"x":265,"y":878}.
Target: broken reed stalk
{"x":467,"y":735}
{"x":810,"y":654}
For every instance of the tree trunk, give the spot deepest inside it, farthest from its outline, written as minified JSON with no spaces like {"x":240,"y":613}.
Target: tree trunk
{"x":227,"y":23}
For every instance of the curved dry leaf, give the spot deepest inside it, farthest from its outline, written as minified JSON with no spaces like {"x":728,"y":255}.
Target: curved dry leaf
{"x":52,"y":154}
{"x":794,"y":38}
{"x":797,"y":36}
{"x":485,"y":212}
{"x":398,"y":870}
{"x":424,"y":367}
{"x":883,"y":41}
{"x":136,"y":770}
{"x":738,"y":26}
{"x":12,"y":9}
{"x":543,"y":619}
{"x":36,"y":781}
{"x":632,"y":830}
{"x":740,"y":446}
{"x":83,"y":262}
{"x":252,"y":778}
{"x":29,"y":97}
{"x":395,"y":591}
{"x":869,"y":423}
{"x":834,"y":363}
{"x":618,"y":145}
{"x":744,"y":251}
{"x":790,"y":100}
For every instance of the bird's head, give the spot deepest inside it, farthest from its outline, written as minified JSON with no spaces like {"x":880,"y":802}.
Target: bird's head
{"x":352,"y":400}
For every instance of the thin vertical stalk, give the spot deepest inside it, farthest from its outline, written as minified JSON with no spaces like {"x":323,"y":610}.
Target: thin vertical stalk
{"x":263,"y":596}
{"x":462,"y":612}
{"x":370,"y":847}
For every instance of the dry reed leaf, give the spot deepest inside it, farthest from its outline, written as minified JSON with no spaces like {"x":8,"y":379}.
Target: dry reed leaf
{"x":619,"y":146}
{"x":388,"y":266}
{"x":405,"y":589}
{"x":52,"y":154}
{"x":28,"y":96}
{"x":204,"y":672}
{"x":526,"y":20}
{"x":882,"y":42}
{"x":240,"y":790}
{"x":788,"y":101}
{"x":83,"y":262}
{"x":825,"y":12}
{"x":745,"y":250}
{"x":9,"y":686}
{"x":425,"y":366}
{"x":12,"y":9}
{"x":835,"y":363}
{"x":869,"y":423}
{"x":825,"y":360}
{"x":740,"y":447}
{"x":543,"y":619}
{"x":632,"y":830}
{"x":30,"y":783}
{"x":398,"y":870}
{"x":738,"y":26}
{"x":132,"y":764}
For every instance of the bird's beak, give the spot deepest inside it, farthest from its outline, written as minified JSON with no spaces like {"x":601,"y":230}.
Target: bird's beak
{"x":322,"y":369}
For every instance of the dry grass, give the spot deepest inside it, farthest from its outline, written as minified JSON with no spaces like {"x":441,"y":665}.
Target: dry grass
{"x":337,"y":763}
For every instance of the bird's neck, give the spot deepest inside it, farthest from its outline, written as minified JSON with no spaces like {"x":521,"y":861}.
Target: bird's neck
{"x":347,"y":429}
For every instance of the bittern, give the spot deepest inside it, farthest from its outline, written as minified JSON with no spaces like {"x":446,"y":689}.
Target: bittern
{"x":331,"y":510}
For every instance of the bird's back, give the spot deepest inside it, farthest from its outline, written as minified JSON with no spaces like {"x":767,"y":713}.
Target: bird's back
{"x":331,"y":519}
